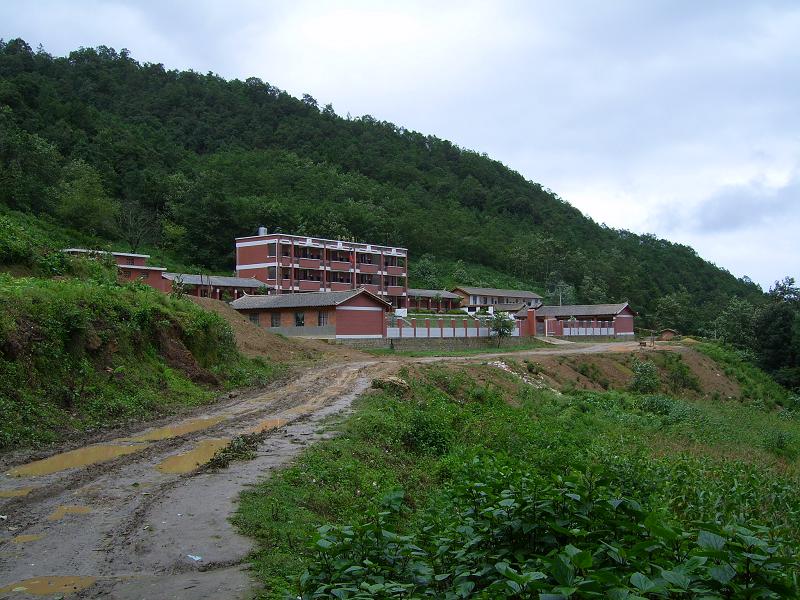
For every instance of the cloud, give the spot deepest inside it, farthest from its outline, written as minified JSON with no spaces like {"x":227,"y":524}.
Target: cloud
{"x":678,"y":118}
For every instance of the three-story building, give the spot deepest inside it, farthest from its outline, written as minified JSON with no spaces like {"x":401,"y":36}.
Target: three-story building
{"x":294,"y":263}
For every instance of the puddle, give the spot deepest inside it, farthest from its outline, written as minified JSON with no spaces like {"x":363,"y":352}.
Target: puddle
{"x":16,"y":493}
{"x":62,"y":511}
{"x":44,"y":586}
{"x":74,"y":458}
{"x":189,"y":461}
{"x":24,"y":539}
{"x":267,"y":425}
{"x":171,"y":431}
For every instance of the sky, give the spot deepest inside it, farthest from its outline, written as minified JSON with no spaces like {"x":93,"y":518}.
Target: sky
{"x":677,"y":118}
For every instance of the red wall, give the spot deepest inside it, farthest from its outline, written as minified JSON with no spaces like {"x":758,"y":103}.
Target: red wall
{"x":361,"y":322}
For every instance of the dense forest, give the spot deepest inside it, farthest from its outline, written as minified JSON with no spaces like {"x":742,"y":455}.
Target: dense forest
{"x":146,"y":157}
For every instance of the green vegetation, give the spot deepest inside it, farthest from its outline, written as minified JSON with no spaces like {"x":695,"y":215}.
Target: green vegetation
{"x":84,"y":352}
{"x":474,"y":485}
{"x":528,"y":345}
{"x":181,"y":163}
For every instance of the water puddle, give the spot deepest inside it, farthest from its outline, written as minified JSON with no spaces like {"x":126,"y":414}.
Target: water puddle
{"x":171,"y":431}
{"x":74,"y":458}
{"x":62,"y":511}
{"x":24,"y":539}
{"x":268,"y":425}
{"x":16,"y":493}
{"x":189,"y":461}
{"x":44,"y":586}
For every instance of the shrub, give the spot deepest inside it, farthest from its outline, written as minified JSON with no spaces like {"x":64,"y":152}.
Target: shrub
{"x":645,"y":377}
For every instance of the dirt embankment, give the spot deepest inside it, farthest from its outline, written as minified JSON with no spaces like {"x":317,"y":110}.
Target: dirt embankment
{"x":256,"y":342}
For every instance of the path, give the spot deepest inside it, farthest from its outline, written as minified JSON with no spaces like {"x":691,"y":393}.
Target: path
{"x":133,"y":518}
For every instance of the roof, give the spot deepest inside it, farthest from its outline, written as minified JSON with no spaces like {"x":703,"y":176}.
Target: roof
{"x":478,"y":291}
{"x":216,"y":280}
{"x":513,"y":307}
{"x":432,"y":294}
{"x":301,"y":300}
{"x":581,"y":310}
{"x":88,"y":251}
{"x":140,"y":268}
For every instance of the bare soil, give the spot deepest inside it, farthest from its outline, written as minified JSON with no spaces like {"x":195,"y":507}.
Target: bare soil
{"x":137,"y":516}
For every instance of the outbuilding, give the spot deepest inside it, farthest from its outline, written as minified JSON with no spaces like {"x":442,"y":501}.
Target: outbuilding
{"x":576,"y":320}
{"x":438,"y":300}
{"x":349,"y":314}
{"x":215,"y":286}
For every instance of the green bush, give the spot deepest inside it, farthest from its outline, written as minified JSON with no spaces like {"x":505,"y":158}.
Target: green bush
{"x":645,"y":377}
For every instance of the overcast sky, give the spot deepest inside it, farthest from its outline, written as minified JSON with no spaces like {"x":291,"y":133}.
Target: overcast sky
{"x":679,"y":118}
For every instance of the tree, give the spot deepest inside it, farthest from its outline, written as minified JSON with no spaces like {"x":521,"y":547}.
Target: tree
{"x":501,"y":326}
{"x":82,"y":202}
{"x":594,"y":289}
{"x":674,"y":311}
{"x":136,"y":225}
{"x":560,"y":292}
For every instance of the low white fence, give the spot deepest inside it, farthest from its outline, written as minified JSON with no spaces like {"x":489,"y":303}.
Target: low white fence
{"x":441,"y":328}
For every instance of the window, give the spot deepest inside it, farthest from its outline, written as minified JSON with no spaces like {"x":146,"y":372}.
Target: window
{"x":144,"y":275}
{"x":272,"y":272}
{"x":275,"y":319}
{"x":271,"y":249}
{"x":299,"y":319}
{"x":130,"y":261}
{"x":322,"y":319}
{"x":254,"y":319}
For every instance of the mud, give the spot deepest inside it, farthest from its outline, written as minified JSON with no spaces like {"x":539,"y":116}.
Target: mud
{"x":73,"y":459}
{"x":16,"y":493}
{"x":141,"y":531}
{"x":194,"y":458}
{"x":25,"y":539}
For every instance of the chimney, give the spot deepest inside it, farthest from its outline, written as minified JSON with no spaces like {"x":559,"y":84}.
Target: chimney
{"x":262,"y":230}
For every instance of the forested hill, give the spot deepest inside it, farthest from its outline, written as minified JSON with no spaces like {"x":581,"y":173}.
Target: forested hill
{"x":144,"y":156}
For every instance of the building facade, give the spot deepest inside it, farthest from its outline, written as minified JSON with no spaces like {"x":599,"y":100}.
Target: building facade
{"x":215,"y":286}
{"x":474,"y":299}
{"x":293,"y":263}
{"x":350,"y":314}
{"x":437,"y":300}
{"x":130,"y":267}
{"x":576,"y":320}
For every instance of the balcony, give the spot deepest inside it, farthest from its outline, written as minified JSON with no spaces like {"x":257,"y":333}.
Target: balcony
{"x":340,"y":287}
{"x":338,"y":265}
{"x":309,"y":286}
{"x":395,"y":290}
{"x":396,"y":271}
{"x":309,"y":263}
{"x":285,"y":261}
{"x":368,"y":268}
{"x":372,"y":288}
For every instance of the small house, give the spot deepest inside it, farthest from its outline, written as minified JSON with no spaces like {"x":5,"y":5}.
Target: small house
{"x":347,"y":314}
{"x":437,"y":300}
{"x":582,"y":320}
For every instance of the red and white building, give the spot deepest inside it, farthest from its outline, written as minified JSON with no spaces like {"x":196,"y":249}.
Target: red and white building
{"x":131,"y":267}
{"x":293,"y":263}
{"x":578,"y":320}
{"x":349,"y":314}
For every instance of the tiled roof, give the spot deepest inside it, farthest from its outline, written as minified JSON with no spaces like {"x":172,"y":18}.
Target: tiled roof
{"x":581,"y":310}
{"x":300,"y":300}
{"x":477,"y":291}
{"x":89,"y":251}
{"x":432,"y":294}
{"x":216,"y":280}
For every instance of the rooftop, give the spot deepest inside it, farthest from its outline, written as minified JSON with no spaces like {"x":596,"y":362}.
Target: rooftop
{"x":216,"y":280}
{"x":444,"y":294}
{"x":581,"y":310}
{"x":479,"y":291}
{"x":301,"y":300}
{"x":89,"y":251}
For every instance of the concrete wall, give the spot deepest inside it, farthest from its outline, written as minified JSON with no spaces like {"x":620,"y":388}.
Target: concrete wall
{"x":489,"y":344}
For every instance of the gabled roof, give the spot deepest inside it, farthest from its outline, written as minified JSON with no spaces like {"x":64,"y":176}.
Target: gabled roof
{"x":478,"y":291}
{"x":302,"y":300}
{"x":89,"y":251}
{"x":432,"y":294}
{"x":216,"y":280}
{"x":510,"y":307}
{"x":581,"y":310}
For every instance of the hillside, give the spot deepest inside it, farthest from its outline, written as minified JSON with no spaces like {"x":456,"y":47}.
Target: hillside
{"x":141,"y":155}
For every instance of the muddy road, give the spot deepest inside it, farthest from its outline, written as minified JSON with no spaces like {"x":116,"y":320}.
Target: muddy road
{"x":135,"y":517}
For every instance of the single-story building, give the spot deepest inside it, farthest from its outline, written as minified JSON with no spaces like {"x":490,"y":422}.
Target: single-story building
{"x":331,"y":315}
{"x":582,"y":320}
{"x":474,"y":299}
{"x":438,"y":300}
{"x":130,"y":267}
{"x":215,"y":286}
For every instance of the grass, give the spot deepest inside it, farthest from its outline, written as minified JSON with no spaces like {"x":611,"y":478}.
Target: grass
{"x":489,"y":349}
{"x":687,"y":461}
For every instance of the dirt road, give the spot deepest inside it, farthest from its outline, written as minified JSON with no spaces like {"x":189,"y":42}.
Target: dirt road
{"x":134,"y":518}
